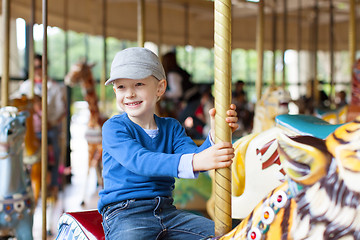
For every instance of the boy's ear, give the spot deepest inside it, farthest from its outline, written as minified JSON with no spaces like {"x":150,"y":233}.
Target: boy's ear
{"x":114,"y":89}
{"x":161,"y":87}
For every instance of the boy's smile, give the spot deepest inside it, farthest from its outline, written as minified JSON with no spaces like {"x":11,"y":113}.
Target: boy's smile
{"x":133,"y":104}
{"x":138,"y":97}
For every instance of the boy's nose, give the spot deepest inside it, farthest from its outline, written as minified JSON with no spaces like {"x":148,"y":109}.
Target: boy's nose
{"x":130,"y":94}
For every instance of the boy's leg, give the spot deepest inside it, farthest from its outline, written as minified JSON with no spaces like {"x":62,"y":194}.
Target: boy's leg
{"x":131,"y":219}
{"x":184,"y":225}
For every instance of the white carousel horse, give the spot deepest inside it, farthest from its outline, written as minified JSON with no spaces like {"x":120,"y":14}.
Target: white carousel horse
{"x":321,"y":195}
{"x":257,"y":170}
{"x":16,"y":198}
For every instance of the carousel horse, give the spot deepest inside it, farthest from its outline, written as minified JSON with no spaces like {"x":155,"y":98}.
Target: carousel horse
{"x":80,"y":73}
{"x":321,"y":194}
{"x":16,"y":198}
{"x":32,"y":151}
{"x":256,"y":168}
{"x":347,"y":112}
{"x":273,"y":102}
{"x":333,"y":116}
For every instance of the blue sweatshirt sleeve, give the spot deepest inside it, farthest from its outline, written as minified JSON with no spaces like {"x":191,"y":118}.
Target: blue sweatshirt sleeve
{"x":185,"y":169}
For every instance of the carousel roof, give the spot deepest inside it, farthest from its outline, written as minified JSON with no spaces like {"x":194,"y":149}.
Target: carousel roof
{"x":191,"y":22}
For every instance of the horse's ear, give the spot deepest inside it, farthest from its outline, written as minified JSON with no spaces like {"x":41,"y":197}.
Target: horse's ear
{"x":305,"y":159}
{"x":92,"y":65}
{"x":83,"y":60}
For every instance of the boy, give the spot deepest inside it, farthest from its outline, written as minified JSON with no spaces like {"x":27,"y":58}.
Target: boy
{"x":142,"y":153}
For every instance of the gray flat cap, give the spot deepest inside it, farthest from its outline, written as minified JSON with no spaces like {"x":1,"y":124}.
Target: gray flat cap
{"x":136,"y":63}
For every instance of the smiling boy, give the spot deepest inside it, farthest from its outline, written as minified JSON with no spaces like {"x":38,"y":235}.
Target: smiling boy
{"x":143,"y":153}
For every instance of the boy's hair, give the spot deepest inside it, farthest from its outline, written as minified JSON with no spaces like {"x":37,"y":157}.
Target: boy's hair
{"x":135,"y":63}
{"x":39,"y":57}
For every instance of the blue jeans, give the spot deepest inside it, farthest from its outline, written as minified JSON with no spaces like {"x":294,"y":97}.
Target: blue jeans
{"x":152,"y":219}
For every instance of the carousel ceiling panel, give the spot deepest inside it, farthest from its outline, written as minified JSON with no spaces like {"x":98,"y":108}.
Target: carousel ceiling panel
{"x":191,"y":21}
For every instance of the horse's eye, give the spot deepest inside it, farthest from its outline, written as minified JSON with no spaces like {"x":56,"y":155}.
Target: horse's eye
{"x":10,"y":132}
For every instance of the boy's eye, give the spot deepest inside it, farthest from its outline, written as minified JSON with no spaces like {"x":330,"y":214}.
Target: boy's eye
{"x":139,"y":84}
{"x":120,"y":87}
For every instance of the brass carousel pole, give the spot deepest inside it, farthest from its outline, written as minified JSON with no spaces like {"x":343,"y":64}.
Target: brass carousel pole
{"x":65,"y":133}
{"x":274,"y":30}
{"x":103,"y":75}
{"x":354,"y":109}
{"x":31,"y":49}
{"x":186,"y":35}
{"x":222,"y":93}
{"x":299,"y":45}
{"x":331,"y":43}
{"x":44,"y":125}
{"x":6,"y":55}
{"x":315,"y":90}
{"x":284,"y":42}
{"x":160,"y":30}
{"x":352,"y":32}
{"x":141,"y":23}
{"x":260,"y":50}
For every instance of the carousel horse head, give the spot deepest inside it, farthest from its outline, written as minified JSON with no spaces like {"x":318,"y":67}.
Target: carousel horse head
{"x":274,"y":101}
{"x":321,"y":195}
{"x":32,"y":143}
{"x":333,"y":116}
{"x":16,"y":200}
{"x":79,"y":73}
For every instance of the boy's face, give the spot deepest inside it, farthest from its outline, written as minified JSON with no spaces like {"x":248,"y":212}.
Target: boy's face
{"x":37,"y":69}
{"x":138,"y":97}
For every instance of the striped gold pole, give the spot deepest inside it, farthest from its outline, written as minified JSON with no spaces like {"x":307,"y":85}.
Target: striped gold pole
{"x":331,"y":49}
{"x":103,"y":73}
{"x":44,"y":125}
{"x":160,"y":28}
{"x":141,"y":23}
{"x":315,"y":90}
{"x":6,"y":55}
{"x":222,"y":93}
{"x":352,"y":33}
{"x":260,"y":50}
{"x":284,"y":41}
{"x":299,"y":41}
{"x":31,"y":48}
{"x":274,"y":40}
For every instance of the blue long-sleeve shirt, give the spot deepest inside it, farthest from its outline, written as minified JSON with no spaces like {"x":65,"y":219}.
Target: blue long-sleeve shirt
{"x":136,"y":166}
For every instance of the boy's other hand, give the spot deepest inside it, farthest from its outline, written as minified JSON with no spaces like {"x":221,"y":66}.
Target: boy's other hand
{"x":219,"y":155}
{"x":231,"y":118}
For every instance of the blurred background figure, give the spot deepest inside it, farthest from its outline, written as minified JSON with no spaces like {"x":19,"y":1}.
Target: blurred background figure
{"x":340,"y":99}
{"x":56,"y":101}
{"x":195,"y":116}
{"x":243,"y":109}
{"x":180,"y":89}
